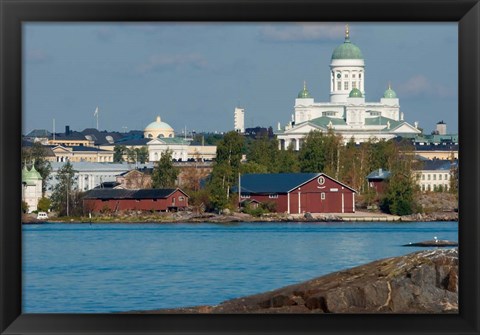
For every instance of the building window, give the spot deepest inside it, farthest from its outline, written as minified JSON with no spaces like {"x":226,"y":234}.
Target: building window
{"x":273,"y":196}
{"x":339,"y":86}
{"x":434,"y":177}
{"x":423,"y":177}
{"x":353,"y":75}
{"x":439,"y":177}
{"x":321,"y":180}
{"x":345,"y":86}
{"x":346,"y":75}
{"x":322,"y":196}
{"x":329,"y":113}
{"x":354,"y":84}
{"x":428,"y":178}
{"x":446,"y":176}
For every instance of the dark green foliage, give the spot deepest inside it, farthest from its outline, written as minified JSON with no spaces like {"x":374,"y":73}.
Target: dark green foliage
{"x":118,"y":152}
{"x":24,"y":207}
{"x":64,"y":195}
{"x":44,"y":204}
{"x":225,"y":170}
{"x":137,"y":155}
{"x":164,"y":174}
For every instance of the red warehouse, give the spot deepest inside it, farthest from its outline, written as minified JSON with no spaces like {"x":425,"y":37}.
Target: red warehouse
{"x":298,"y":192}
{"x":170,"y":199}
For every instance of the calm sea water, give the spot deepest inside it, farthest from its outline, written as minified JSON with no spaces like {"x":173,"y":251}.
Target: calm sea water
{"x":82,"y":268}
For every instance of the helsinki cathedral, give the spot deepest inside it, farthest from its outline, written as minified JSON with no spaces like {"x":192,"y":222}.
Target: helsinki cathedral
{"x":347,"y":113}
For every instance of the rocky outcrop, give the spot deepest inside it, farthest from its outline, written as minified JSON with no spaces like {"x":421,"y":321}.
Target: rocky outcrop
{"x":421,"y":282}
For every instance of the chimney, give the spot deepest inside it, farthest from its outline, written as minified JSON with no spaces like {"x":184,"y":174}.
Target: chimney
{"x":67,"y":130}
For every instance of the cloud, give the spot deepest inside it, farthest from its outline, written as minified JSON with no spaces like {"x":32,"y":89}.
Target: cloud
{"x":420,"y":85}
{"x":165,"y":62}
{"x":37,"y":56}
{"x":302,"y":32}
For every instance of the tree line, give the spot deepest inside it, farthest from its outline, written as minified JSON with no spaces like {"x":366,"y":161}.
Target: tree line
{"x":348,"y":163}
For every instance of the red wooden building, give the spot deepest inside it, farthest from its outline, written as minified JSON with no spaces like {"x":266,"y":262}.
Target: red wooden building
{"x":299,"y":192}
{"x":114,"y":200}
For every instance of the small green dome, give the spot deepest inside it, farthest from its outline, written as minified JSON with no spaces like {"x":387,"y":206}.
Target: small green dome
{"x":389,"y":93}
{"x":347,"y":50}
{"x":355,"y":93}
{"x":304,"y":94}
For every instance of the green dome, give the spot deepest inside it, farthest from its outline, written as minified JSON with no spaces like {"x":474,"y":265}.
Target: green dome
{"x":347,"y":50}
{"x":355,"y":93}
{"x":304,"y":94}
{"x":389,"y":93}
{"x":158,"y":125}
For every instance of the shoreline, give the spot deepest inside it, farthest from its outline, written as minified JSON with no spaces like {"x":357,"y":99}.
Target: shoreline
{"x":188,"y":217}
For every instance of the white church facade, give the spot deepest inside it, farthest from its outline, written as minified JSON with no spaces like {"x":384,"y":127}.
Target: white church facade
{"x":347,"y":113}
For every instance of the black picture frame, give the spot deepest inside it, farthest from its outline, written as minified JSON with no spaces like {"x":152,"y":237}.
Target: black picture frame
{"x":14,"y":12}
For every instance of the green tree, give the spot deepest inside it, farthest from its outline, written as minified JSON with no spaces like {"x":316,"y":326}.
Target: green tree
{"x":118,"y":152}
{"x":287,"y":161}
{"x":37,"y":153}
{"x":225,"y":170}
{"x":312,"y":154}
{"x":252,"y":167}
{"x":44,"y":204}
{"x":453,"y":183}
{"x":24,"y":207}
{"x":64,"y":192}
{"x":264,"y":151}
{"x":399,"y":197}
{"x":142,"y":154}
{"x":164,"y":174}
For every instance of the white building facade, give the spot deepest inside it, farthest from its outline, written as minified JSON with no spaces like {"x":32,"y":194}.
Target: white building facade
{"x":89,"y":175}
{"x":347,"y":113}
{"x":239,"y":120}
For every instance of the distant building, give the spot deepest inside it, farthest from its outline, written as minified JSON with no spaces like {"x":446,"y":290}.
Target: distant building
{"x":239,"y":120}
{"x":435,"y":175}
{"x":114,"y":200}
{"x":347,"y":113}
{"x":441,"y":128}
{"x":81,"y":154}
{"x":31,"y":187}
{"x":70,"y":138}
{"x":377,"y":179}
{"x":88,"y":175}
{"x":298,"y":192}
{"x":134,"y":180}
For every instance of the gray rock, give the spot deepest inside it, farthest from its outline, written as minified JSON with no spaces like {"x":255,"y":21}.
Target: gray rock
{"x":421,"y":282}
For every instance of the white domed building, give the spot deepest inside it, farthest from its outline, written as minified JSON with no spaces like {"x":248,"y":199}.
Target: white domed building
{"x":158,"y":129}
{"x":163,"y":138}
{"x":347,"y":113}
